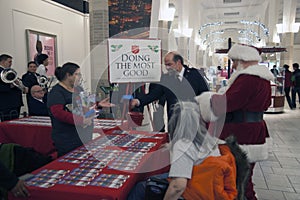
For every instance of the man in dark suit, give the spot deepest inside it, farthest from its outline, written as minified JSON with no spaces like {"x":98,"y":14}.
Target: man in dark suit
{"x":180,"y":83}
{"x":37,"y":104}
{"x":11,"y":96}
{"x":29,"y":79}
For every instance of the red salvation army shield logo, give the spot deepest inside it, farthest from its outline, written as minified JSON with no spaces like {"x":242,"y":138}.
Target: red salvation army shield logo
{"x":135,"y":49}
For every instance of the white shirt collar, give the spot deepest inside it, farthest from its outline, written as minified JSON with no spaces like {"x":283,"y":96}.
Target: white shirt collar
{"x":41,"y":100}
{"x":180,"y":75}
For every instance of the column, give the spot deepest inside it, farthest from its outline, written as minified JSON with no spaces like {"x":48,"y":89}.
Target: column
{"x":287,"y":37}
{"x":99,"y":28}
{"x":287,"y":41}
{"x":163,"y":35}
{"x":99,"y":32}
{"x":184,"y":31}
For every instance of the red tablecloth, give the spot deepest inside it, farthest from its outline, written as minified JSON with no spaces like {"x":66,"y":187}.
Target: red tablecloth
{"x":37,"y":136}
{"x":35,"y":131}
{"x":149,"y":164}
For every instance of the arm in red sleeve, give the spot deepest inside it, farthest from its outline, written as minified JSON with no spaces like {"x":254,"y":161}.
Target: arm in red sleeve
{"x":59,"y":113}
{"x":236,"y":97}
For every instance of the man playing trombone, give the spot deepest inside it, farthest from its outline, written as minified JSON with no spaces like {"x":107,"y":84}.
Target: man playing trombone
{"x":10,"y":90}
{"x":30,"y":79}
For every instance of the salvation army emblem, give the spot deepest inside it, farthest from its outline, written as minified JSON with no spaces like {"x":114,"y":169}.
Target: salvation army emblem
{"x":135,"y":49}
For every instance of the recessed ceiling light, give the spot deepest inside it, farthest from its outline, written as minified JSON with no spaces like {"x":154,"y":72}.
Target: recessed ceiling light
{"x":232,"y":1}
{"x":231,"y":13}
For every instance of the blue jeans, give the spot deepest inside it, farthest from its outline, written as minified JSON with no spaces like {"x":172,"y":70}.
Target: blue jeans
{"x":287,"y":95}
{"x":138,"y":191}
{"x":295,"y":90}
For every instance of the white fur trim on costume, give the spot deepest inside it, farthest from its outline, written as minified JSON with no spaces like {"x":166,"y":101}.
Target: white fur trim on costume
{"x":256,"y":70}
{"x":243,"y":52}
{"x":205,"y":106}
{"x":256,"y":152}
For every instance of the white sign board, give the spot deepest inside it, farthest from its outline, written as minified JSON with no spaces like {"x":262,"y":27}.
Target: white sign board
{"x":134,"y":60}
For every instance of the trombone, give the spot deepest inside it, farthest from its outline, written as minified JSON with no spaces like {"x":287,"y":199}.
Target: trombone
{"x":42,"y":81}
{"x":9,"y":75}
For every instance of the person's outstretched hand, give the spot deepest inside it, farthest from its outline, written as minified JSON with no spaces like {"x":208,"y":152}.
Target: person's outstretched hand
{"x":133,"y":103}
{"x":20,"y":189}
{"x":105,"y":103}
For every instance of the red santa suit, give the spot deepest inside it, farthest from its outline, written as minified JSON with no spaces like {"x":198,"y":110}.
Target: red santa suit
{"x":248,"y":90}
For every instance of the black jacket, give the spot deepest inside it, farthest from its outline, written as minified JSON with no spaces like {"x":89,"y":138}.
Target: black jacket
{"x":296,"y":78}
{"x":193,"y":84}
{"x":29,"y":79}
{"x":36,"y":107}
{"x":11,"y":97}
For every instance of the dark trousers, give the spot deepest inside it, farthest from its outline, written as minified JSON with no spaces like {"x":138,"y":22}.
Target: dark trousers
{"x":295,"y":90}
{"x":9,"y":114}
{"x":287,"y":96}
{"x":158,"y":119}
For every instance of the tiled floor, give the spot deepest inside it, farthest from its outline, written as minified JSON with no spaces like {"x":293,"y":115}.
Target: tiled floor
{"x":279,"y":176}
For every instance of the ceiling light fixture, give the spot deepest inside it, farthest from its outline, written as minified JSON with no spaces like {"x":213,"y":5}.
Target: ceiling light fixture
{"x":187,"y":32}
{"x":231,"y":13}
{"x":294,"y":28}
{"x":261,"y":25}
{"x":167,"y":15}
{"x":241,"y":30}
{"x":203,"y":27}
{"x":232,"y":1}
